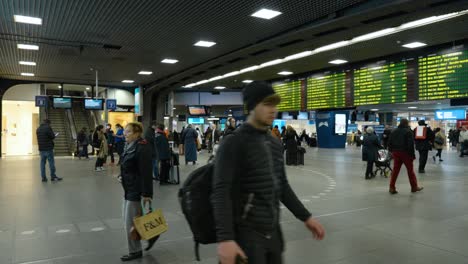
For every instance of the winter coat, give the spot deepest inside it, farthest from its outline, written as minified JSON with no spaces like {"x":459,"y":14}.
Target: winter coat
{"x":425,"y":144}
{"x":370,"y":147}
{"x":149,"y":136}
{"x":162,"y":147}
{"x":45,"y":137}
{"x":442,"y":136}
{"x":402,"y":139}
{"x":104,"y":147}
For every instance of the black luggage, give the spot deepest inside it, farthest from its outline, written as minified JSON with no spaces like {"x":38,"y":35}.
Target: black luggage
{"x":174,"y":171}
{"x":313,"y":142}
{"x":300,"y":155}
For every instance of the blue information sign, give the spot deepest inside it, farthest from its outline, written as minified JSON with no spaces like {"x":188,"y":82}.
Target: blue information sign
{"x":41,"y":101}
{"x":451,"y":114}
{"x":111,"y":104}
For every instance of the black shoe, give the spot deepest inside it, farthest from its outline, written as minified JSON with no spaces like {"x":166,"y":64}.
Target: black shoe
{"x":151,"y":243}
{"x":434,"y":158}
{"x":440,"y":160}
{"x":56,"y":179}
{"x":422,"y":171}
{"x":132,"y":256}
{"x":417,"y":189}
{"x":44,"y":179}
{"x":392,"y":191}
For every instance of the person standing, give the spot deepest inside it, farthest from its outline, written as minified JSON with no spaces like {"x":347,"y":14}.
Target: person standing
{"x":136,"y":172}
{"x":199,"y":140}
{"x":439,"y":143}
{"x":276,"y":133}
{"x":291,"y":139}
{"x":209,"y":139}
{"x":254,"y":232}
{"x":230,"y":126}
{"x":463,"y":139}
{"x":176,"y":138}
{"x":110,"y":141}
{"x":190,"y":140}
{"x":83,"y":143}
{"x":90,"y":138}
{"x":45,"y":139}
{"x":163,"y":154}
{"x":424,"y":138}
{"x":401,"y":144}
{"x":370,"y":148}
{"x":100,"y":142}
{"x":150,"y":135}
{"x":119,"y":141}
{"x":386,"y":135}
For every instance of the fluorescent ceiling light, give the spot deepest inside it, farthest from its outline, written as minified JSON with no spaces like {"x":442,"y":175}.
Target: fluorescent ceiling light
{"x":128,"y":81}
{"x":234,"y":73}
{"x":414,"y":45}
{"x":88,"y":88}
{"x":425,"y":21}
{"x":29,"y":63}
{"x":220,"y":88}
{"x":28,"y":47}
{"x":299,"y":55}
{"x":249,"y":69}
{"x":189,"y":85}
{"x":205,"y":44}
{"x":170,"y":61}
{"x":28,"y":20}
{"x":202,"y":82}
{"x":247,"y":81}
{"x":285,"y":73}
{"x":271,"y":63}
{"x":27,"y":74}
{"x":375,"y":110}
{"x":145,"y":72}
{"x":373,"y":35}
{"x":60,"y":86}
{"x":338,"y":61}
{"x":216,"y":78}
{"x":266,"y":13}
{"x":412,"y":107}
{"x":333,"y":46}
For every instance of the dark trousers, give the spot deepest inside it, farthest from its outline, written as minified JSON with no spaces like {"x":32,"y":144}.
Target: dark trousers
{"x":164,"y":166}
{"x":370,"y":168}
{"x":47,"y":155}
{"x":260,"y":250}
{"x":119,"y":147}
{"x":111,"y":152}
{"x":423,"y":154}
{"x":99,"y":162}
{"x":439,"y":153}
{"x":463,"y":147}
{"x":400,"y":158}
{"x":84,"y":151}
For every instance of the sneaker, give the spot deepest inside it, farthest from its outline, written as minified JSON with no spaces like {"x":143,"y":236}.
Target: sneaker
{"x":98,"y":169}
{"x":56,"y":178}
{"x":440,"y":160}
{"x":103,"y":169}
{"x":44,"y":179}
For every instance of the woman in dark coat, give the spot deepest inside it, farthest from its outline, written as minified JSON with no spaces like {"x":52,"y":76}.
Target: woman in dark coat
{"x":190,"y":138}
{"x":370,"y":150}
{"x":291,"y":139}
{"x":136,"y":176}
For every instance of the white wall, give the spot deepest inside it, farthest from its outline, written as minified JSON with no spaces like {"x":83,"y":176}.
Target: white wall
{"x":123,"y":97}
{"x":228,"y":98}
{"x":22,"y":92}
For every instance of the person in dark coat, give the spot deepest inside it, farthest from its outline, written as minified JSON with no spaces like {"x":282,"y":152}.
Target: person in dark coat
{"x":163,"y":154}
{"x":401,"y":144}
{"x":136,"y":177}
{"x":45,"y":139}
{"x":176,"y":137}
{"x":370,"y":148}
{"x":110,"y":136}
{"x":386,"y":135}
{"x":423,"y":143}
{"x":150,"y":135}
{"x":190,"y":144}
{"x":119,"y":141}
{"x":83,"y":143}
{"x":291,"y":139}
{"x":230,"y":126}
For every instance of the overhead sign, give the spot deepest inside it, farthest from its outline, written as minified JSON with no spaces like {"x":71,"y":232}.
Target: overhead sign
{"x":452,"y":114}
{"x":41,"y":101}
{"x":111,"y":104}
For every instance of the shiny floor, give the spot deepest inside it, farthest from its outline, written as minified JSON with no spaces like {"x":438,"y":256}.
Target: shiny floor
{"x":79,"y":220}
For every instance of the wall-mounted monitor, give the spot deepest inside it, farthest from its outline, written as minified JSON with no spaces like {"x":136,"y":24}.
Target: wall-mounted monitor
{"x":286,"y":116}
{"x":197,"y":110}
{"x":93,"y":104}
{"x":62,"y":103}
{"x":196,"y":120}
{"x":450,"y":114}
{"x":340,"y":124}
{"x":303,"y":116}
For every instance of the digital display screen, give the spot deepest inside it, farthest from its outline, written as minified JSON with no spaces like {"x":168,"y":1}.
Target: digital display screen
{"x":384,"y":84}
{"x":93,"y":104}
{"x":340,"y":123}
{"x":286,"y":116}
{"x":443,"y":76}
{"x":64,"y":103}
{"x":197,"y":110}
{"x":290,"y":94}
{"x":452,"y":114}
{"x":326,"y":91}
{"x":196,"y":120}
{"x":303,"y":116}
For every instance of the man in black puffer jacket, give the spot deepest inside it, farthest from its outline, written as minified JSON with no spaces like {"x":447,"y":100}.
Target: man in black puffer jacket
{"x":45,"y":140}
{"x":249,"y":184}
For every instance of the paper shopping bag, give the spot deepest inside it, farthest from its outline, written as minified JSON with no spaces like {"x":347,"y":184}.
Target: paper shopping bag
{"x":151,"y":225}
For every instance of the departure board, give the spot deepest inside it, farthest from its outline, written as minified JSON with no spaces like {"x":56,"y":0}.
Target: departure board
{"x":385,"y":84}
{"x":326,"y":91}
{"x":290,"y":93}
{"x":443,"y":76}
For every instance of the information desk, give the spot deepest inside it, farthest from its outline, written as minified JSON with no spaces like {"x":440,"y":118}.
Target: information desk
{"x":443,"y":76}
{"x":384,"y":84}
{"x":326,"y":91}
{"x":290,"y":93}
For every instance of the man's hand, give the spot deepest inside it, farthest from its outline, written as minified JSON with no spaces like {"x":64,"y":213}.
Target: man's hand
{"x":228,"y":251}
{"x":316,"y":228}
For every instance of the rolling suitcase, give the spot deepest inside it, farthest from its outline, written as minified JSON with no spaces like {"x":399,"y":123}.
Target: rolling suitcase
{"x":300,"y":155}
{"x":174,"y":171}
{"x":313,"y":142}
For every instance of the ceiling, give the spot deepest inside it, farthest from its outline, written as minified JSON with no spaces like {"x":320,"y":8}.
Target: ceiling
{"x":119,"y":37}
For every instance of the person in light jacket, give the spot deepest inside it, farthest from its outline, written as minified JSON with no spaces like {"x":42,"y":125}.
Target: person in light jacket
{"x":101,"y":142}
{"x":439,"y":143}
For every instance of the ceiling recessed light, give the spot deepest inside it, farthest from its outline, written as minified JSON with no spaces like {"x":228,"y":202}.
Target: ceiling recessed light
{"x":28,"y":47}
{"x":170,"y":61}
{"x":145,"y":73}
{"x":88,"y":88}
{"x":247,"y":81}
{"x":414,"y":45}
{"x":60,"y":86}
{"x":339,"y":61}
{"x":27,"y":74}
{"x":412,"y":107}
{"x":266,"y":13}
{"x":128,"y":81}
{"x":220,"y":88}
{"x":206,"y":44}
{"x":285,"y":73}
{"x":28,"y":20}
{"x":29,"y":63}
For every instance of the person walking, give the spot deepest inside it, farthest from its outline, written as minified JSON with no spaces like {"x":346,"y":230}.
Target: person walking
{"x":136,"y":172}
{"x":370,"y":148}
{"x":439,"y":143}
{"x":424,"y":138}
{"x":386,"y":135}
{"x":150,"y":135}
{"x":254,"y":232}
{"x":291,"y":139}
{"x":463,"y":139}
{"x":190,"y":140}
{"x":83,"y":143}
{"x":100,"y":143}
{"x":163,"y":154}
{"x":230,"y":126}
{"x":45,"y":139}
{"x":119,"y":141}
{"x":110,"y":137}
{"x":401,"y":144}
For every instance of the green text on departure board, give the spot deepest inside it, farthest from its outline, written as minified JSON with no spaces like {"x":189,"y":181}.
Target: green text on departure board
{"x":385,"y":84}
{"x":290,"y":93}
{"x":443,"y":76}
{"x":326,"y":91}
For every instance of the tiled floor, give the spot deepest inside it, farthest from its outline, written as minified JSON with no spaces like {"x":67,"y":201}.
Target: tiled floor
{"x":79,"y":220}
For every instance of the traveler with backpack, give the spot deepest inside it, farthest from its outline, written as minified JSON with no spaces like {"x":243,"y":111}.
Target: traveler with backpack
{"x":423,"y":138}
{"x":100,"y":143}
{"x":83,"y":142}
{"x":249,"y":182}
{"x":439,"y":143}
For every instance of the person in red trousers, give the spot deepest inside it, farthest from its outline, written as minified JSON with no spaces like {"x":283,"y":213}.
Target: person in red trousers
{"x":401,"y":144}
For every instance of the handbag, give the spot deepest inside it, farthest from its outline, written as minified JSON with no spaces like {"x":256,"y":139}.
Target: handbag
{"x":151,"y":224}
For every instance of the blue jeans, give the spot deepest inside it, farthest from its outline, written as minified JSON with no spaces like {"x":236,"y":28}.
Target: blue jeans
{"x":47,"y":156}
{"x":155,"y":168}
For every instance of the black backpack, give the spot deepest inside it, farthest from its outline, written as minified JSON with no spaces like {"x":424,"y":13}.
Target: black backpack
{"x":96,"y":141}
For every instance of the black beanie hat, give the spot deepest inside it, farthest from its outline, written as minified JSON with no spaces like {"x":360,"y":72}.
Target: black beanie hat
{"x":256,"y":92}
